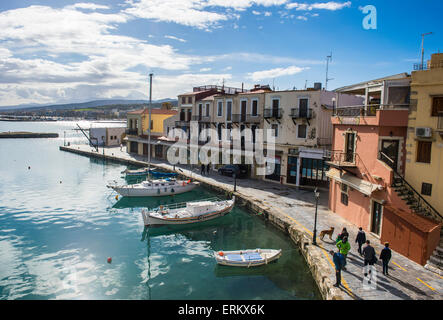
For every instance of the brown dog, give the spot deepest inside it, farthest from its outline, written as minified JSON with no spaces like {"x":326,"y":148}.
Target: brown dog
{"x":325,"y":232}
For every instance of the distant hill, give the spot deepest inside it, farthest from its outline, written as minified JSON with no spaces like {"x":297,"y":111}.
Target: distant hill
{"x":86,"y":105}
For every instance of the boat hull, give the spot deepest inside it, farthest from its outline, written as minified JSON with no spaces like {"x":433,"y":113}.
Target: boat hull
{"x":128,"y":191}
{"x":266,"y":256}
{"x":151,"y":221}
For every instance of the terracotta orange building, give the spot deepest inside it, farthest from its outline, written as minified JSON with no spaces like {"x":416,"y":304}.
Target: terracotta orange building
{"x":367,"y":165}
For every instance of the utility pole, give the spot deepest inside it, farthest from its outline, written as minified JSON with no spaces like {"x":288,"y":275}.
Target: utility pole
{"x":149,"y":121}
{"x":328,"y":58}
{"x":423,"y":48}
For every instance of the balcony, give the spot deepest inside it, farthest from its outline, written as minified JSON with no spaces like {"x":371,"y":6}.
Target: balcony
{"x":340,"y":159}
{"x":201,"y":118}
{"x":275,"y":113}
{"x":296,"y":114}
{"x":180,"y":124}
{"x":253,"y":119}
{"x":132,"y":132}
{"x":440,"y":123}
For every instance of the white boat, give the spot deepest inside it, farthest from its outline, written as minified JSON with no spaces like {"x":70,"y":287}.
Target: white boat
{"x":136,"y":172}
{"x":247,"y":258}
{"x":188,"y":212}
{"x":153,"y":188}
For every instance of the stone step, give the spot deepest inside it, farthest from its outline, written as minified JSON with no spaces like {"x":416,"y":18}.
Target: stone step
{"x":432,"y":267}
{"x":438,"y":251}
{"x":436,"y":261}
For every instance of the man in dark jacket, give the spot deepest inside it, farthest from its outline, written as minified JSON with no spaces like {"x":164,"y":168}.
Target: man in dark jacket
{"x":385,"y":256}
{"x":360,"y":239}
{"x":369,"y":255}
{"x":338,"y":259}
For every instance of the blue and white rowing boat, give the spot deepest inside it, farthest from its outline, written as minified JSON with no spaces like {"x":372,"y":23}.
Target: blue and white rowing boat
{"x":246,"y":258}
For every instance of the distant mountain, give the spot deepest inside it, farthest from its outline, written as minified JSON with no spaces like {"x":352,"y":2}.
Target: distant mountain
{"x":85,"y":105}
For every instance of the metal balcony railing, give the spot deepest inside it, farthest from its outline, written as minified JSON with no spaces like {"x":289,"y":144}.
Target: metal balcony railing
{"x":182,"y":123}
{"x":253,"y":119}
{"x":132,"y":132}
{"x":296,"y":113}
{"x":273,"y":113}
{"x":201,"y":118}
{"x":341,"y":159}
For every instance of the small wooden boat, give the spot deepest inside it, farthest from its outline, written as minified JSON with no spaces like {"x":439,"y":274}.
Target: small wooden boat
{"x":188,"y":212}
{"x":136,"y":172}
{"x":159,"y":174}
{"x":154,"y":188}
{"x":247,"y":258}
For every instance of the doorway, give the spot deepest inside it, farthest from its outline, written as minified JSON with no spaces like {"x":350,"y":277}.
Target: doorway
{"x":350,"y":147}
{"x":377,"y":212}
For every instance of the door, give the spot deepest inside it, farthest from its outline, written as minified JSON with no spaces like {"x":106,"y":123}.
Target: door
{"x":389,"y":149}
{"x":275,"y":106}
{"x":243,"y":111}
{"x":303,"y":112}
{"x":292,"y":170}
{"x":350,"y":147}
{"x":377,"y":211}
{"x":200,"y":111}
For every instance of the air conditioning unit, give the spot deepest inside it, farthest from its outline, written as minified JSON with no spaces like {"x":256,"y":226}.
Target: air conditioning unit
{"x":423,"y":132}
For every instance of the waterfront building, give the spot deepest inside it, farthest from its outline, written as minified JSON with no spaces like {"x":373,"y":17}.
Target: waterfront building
{"x":107,"y":137}
{"x":302,"y":129}
{"x":424,"y":144}
{"x":137,"y":131}
{"x":367,"y":169}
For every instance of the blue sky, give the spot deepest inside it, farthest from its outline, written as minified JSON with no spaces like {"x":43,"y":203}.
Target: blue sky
{"x":74,"y":51}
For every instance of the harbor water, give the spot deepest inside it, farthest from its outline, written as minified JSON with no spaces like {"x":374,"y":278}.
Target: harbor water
{"x":59,"y":224}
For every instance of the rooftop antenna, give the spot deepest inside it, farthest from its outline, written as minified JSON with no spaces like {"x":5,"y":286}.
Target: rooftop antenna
{"x":328,"y":58}
{"x":306,"y":83}
{"x":423,"y":48}
{"x":273,"y":86}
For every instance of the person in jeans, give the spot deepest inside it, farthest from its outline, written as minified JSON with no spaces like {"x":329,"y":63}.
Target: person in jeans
{"x":338,"y":259}
{"x":360,"y":239}
{"x":385,"y":256}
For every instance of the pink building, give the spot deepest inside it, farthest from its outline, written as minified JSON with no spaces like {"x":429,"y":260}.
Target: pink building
{"x":367,"y":164}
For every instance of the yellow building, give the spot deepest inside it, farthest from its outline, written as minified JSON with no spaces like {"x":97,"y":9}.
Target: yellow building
{"x":137,"y":130}
{"x":424,"y":145}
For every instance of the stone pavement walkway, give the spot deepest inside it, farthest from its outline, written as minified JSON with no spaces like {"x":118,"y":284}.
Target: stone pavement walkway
{"x":407,"y":279}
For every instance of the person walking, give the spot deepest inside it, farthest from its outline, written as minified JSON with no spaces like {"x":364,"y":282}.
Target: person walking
{"x":344,"y":233}
{"x":369,"y":256}
{"x":385,"y":256}
{"x":360,"y":239}
{"x":208,"y":167}
{"x":338,"y":260}
{"x":202,"y":171}
{"x":344,"y":246}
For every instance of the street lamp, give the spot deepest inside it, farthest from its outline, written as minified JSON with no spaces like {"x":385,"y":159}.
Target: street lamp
{"x":317,"y":195}
{"x":235,"y":182}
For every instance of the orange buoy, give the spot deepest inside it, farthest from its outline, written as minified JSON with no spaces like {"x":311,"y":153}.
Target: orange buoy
{"x":116,"y":197}
{"x":221,"y":254}
{"x":109,"y":260}
{"x":189,"y":181}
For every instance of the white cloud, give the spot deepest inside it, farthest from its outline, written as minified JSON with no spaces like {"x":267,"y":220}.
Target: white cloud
{"x":175,"y":38}
{"x":275,"y":73}
{"x":90,"y":6}
{"x":257,"y":13}
{"x":331,"y":5}
{"x":267,"y":14}
{"x":205,"y":69}
{"x":302,"y":18}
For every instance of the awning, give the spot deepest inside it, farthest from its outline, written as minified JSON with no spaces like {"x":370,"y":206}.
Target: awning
{"x":358,"y":184}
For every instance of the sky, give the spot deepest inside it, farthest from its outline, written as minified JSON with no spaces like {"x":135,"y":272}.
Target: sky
{"x":60,"y":51}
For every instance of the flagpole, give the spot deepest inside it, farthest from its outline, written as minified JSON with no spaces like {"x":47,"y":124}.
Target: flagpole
{"x":149,"y":121}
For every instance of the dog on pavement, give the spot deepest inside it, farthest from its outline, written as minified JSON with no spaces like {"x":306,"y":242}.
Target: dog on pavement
{"x":329,"y":232}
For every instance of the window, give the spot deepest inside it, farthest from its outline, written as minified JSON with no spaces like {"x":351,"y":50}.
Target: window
{"x":228,"y":110}
{"x":275,"y":129}
{"x":301,"y":131}
{"x":426,"y":189}
{"x":189,"y":99}
{"x":344,"y":194}
{"x":437,"y":106}
{"x":254,"y":110}
{"x":219,"y":108}
{"x":207,"y":109}
{"x":424,"y":151}
{"x":183,"y":100}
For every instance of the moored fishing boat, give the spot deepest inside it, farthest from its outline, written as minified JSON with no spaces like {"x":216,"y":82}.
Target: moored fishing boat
{"x":154,"y":188}
{"x":188,"y":212}
{"x":247,"y":258}
{"x":158,"y":174}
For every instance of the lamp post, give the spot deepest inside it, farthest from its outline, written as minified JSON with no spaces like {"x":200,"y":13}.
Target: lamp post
{"x":235,"y":182}
{"x":314,"y":236}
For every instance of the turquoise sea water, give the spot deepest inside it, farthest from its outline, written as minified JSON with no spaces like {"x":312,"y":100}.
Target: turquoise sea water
{"x":59,"y":224}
